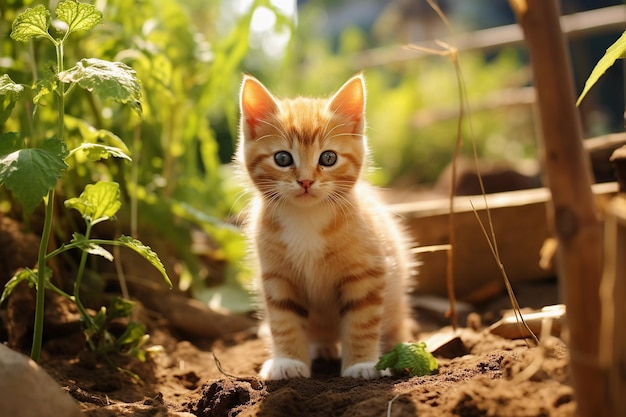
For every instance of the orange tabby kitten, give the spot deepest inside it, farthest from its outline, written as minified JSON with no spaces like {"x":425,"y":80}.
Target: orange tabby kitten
{"x":333,"y":262}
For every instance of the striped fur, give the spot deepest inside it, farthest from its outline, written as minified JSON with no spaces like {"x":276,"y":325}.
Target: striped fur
{"x":333,"y":263}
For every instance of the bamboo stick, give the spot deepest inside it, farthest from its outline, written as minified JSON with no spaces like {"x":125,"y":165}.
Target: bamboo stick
{"x":576,"y":222}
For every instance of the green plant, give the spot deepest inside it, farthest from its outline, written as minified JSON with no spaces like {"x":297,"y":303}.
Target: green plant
{"x":613,"y":53}
{"x":412,"y":358}
{"x":32,"y":169}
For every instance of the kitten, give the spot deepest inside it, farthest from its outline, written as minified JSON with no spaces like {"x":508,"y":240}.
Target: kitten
{"x":333,"y":262}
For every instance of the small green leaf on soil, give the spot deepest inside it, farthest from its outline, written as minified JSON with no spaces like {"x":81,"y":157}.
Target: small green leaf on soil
{"x":412,"y":358}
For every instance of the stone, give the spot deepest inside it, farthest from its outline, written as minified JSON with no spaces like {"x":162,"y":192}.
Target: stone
{"x":27,"y":390}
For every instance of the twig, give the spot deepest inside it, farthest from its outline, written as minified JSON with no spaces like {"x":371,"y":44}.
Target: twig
{"x":219,"y":367}
{"x":507,"y":282}
{"x":431,"y":248}
{"x":452,"y":52}
{"x":250,"y":379}
{"x":389,"y":404}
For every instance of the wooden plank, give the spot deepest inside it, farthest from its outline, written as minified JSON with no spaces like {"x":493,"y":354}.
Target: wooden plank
{"x":574,"y":25}
{"x":521,"y":229}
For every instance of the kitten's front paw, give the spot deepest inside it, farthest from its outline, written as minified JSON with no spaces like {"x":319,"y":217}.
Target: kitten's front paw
{"x":365,"y":370}
{"x":284,"y":368}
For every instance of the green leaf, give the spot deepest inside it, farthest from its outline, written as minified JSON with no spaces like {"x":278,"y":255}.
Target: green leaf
{"x":45,"y":85}
{"x":99,"y":201}
{"x":133,"y":340}
{"x":96,"y":151}
{"x":9,"y":88}
{"x":134,"y":335}
{"x":31,"y":173}
{"x":23,"y":275}
{"x":615,"y":52}
{"x":31,"y":23}
{"x":78,"y":16}
{"x":92,"y":135}
{"x":410,"y":357}
{"x":109,"y":80}
{"x":10,"y":93}
{"x":147,"y":253}
{"x":26,"y":274}
{"x":119,"y":307}
{"x":90,"y":247}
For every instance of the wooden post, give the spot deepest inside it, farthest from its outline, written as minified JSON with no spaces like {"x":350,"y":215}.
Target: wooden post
{"x":576,"y":220}
{"x":612,"y":355}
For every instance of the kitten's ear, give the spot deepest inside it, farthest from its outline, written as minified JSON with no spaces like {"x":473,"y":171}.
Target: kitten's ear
{"x":349,"y":101}
{"x":256,"y":102}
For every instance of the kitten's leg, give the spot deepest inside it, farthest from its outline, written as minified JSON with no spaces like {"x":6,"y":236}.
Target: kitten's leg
{"x":361,"y":309}
{"x":324,"y":351}
{"x":287,"y":321}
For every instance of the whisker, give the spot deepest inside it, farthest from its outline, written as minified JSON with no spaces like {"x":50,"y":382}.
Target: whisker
{"x":327,"y":133}
{"x":280,"y":129}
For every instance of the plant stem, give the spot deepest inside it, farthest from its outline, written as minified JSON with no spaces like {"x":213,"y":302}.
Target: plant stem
{"x":79,"y":279}
{"x":45,"y":235}
{"x":41,"y":278}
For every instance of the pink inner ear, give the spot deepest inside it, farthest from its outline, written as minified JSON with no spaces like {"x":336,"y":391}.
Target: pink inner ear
{"x":349,"y":101}
{"x":256,"y":102}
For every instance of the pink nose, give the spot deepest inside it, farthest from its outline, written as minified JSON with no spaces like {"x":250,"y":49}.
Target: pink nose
{"x":306,"y":184}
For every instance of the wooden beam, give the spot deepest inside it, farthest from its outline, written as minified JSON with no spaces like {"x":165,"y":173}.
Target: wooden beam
{"x":574,"y":25}
{"x":576,"y":220}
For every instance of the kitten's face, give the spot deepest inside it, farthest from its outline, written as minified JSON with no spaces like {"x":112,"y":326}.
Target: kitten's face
{"x":303,"y":151}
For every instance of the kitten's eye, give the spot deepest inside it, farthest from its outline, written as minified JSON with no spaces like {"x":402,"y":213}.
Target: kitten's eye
{"x":328,"y":158}
{"x":283,"y":159}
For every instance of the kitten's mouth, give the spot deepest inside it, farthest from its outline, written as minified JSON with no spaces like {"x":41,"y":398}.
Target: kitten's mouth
{"x":306,"y":197}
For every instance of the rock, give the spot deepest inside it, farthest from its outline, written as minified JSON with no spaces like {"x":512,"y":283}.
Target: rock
{"x":27,"y":390}
{"x":446,"y":343}
{"x":552,"y":316}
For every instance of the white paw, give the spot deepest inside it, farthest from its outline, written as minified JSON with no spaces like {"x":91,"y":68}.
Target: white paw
{"x":284,"y":368}
{"x":365,"y":370}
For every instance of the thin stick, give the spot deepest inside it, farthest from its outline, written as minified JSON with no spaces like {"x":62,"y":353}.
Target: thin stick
{"x":450,"y":51}
{"x":239,"y":378}
{"x":431,"y":248}
{"x":494,"y":250}
{"x":389,"y":404}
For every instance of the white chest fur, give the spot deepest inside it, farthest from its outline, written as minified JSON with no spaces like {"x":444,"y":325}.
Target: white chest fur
{"x":301,"y":232}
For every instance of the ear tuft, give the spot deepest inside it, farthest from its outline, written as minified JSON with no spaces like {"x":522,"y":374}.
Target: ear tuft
{"x":256,"y":102}
{"x":349,"y":101}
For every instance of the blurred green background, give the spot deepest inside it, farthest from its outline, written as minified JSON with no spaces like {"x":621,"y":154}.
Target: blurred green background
{"x":189,"y":56}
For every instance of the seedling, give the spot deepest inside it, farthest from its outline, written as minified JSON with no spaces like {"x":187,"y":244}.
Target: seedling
{"x":410,"y":358}
{"x":32,"y":171}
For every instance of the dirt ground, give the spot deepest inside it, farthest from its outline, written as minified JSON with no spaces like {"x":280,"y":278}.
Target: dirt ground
{"x":493,"y":376}
{"x":498,"y":377}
